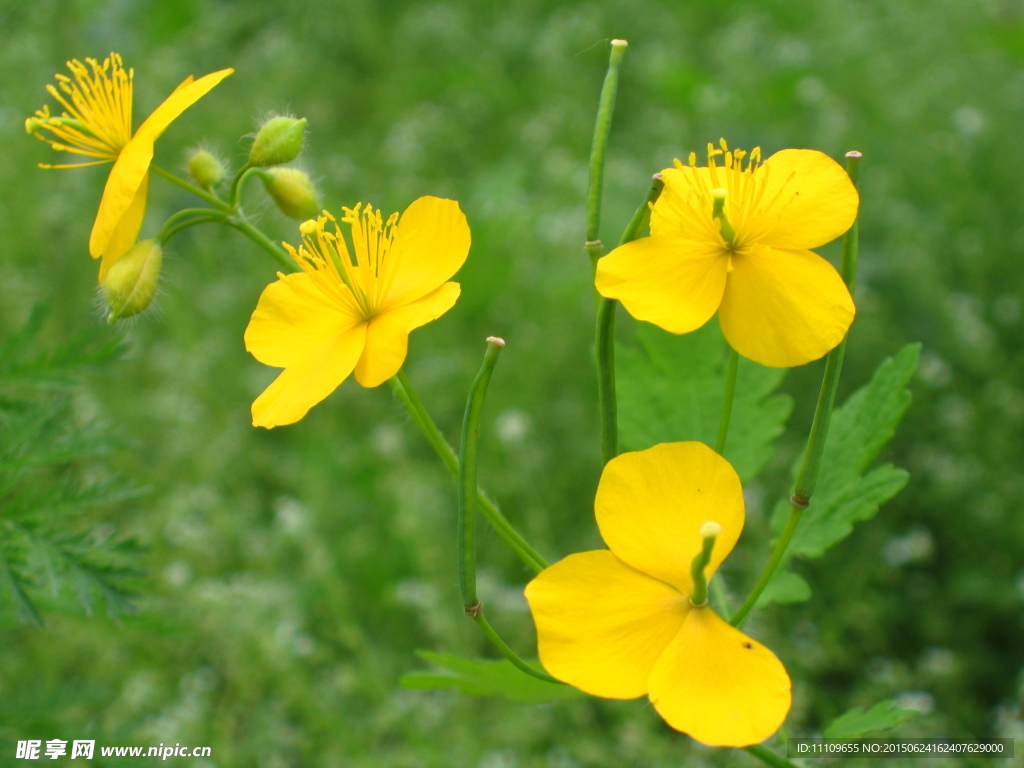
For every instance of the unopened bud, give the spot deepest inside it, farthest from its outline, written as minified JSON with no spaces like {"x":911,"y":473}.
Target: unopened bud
{"x":130,"y":283}
{"x":206,"y":168}
{"x":278,"y":141}
{"x":293,"y":192}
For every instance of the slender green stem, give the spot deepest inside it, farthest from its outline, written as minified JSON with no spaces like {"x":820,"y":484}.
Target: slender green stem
{"x":467,"y":475}
{"x":605,"y":109}
{"x":768,"y":757}
{"x":236,"y":184}
{"x":243,"y":225}
{"x":235,"y":219}
{"x":606,"y":334}
{"x":166,"y":233}
{"x":509,"y":654}
{"x":403,"y":390}
{"x":730,"y":393}
{"x":199,"y":192}
{"x":810,"y":465}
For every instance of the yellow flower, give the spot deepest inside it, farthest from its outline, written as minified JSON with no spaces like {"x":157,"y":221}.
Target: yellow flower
{"x":748,"y":257}
{"x":620,"y":624}
{"x":97,"y":122}
{"x":348,"y":312}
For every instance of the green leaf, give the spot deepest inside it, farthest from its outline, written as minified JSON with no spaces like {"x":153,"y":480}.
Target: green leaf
{"x":481,"y":677}
{"x":860,"y":428}
{"x":847,"y":493}
{"x":786,"y":587}
{"x":671,"y":388}
{"x":856,"y":723}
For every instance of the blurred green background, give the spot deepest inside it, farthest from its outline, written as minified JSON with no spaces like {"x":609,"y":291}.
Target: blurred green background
{"x":291,"y":575}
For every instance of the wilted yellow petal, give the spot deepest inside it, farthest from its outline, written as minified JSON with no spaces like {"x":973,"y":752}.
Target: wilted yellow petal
{"x":293,"y":318}
{"x":672,"y":282}
{"x":387,"y":335}
{"x":431,"y":244}
{"x":808,"y":200}
{"x":651,"y":505}
{"x":602,"y":625}
{"x":132,"y":164}
{"x":718,"y":685}
{"x":784,"y":308}
{"x":127,"y":230}
{"x":305,"y":383}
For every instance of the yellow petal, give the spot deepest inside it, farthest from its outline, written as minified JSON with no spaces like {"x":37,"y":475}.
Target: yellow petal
{"x":651,"y":505}
{"x":784,"y":308}
{"x":601,"y":625}
{"x":292,"y":319}
{"x":672,"y":282}
{"x":387,"y":336}
{"x":127,"y":230}
{"x":430,"y":246}
{"x":305,"y":383}
{"x":719,"y":686}
{"x":808,"y":200}
{"x":683,"y":209}
{"x":132,"y":164}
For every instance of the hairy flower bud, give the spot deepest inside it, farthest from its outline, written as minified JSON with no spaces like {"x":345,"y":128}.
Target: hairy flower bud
{"x":206,"y":168}
{"x":292,"y":191}
{"x":278,"y":141}
{"x":130,"y":283}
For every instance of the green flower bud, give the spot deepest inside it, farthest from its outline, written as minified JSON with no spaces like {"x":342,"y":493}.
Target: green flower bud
{"x":293,"y":191}
{"x":278,"y":141}
{"x":206,"y":168}
{"x":130,"y":283}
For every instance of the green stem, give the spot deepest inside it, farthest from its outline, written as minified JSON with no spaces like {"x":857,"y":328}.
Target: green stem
{"x":239,"y":222}
{"x":403,"y":390}
{"x":810,"y":465}
{"x":236,"y":219}
{"x":605,"y":109}
{"x":606,"y":334}
{"x":205,"y":214}
{"x":467,"y":476}
{"x":768,"y":757}
{"x":730,"y":394}
{"x":508,"y":653}
{"x":236,"y":184}
{"x":199,"y":192}
{"x":166,"y":233}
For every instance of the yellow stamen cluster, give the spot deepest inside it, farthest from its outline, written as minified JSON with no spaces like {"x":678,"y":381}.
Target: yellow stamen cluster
{"x":97,"y":117}
{"x":325,"y":254}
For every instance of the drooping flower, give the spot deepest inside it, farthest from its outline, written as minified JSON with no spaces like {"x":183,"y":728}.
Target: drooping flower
{"x":737,"y":239}
{"x":620,"y":623}
{"x":352,"y":309}
{"x":97,"y":122}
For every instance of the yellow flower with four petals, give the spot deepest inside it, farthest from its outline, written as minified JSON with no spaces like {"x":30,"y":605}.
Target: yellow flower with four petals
{"x":97,"y":122}
{"x":619,"y":623}
{"x":736,"y":239}
{"x":352,"y":309}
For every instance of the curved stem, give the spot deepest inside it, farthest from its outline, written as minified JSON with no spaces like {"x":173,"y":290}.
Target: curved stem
{"x":202,"y":194}
{"x":810,"y":465}
{"x":467,"y":475}
{"x":602,"y":125}
{"x":236,"y":184}
{"x":166,"y":233}
{"x":509,"y":654}
{"x":768,"y":757}
{"x":730,"y":394}
{"x":606,"y":334}
{"x":403,"y":390}
{"x":243,"y":225}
